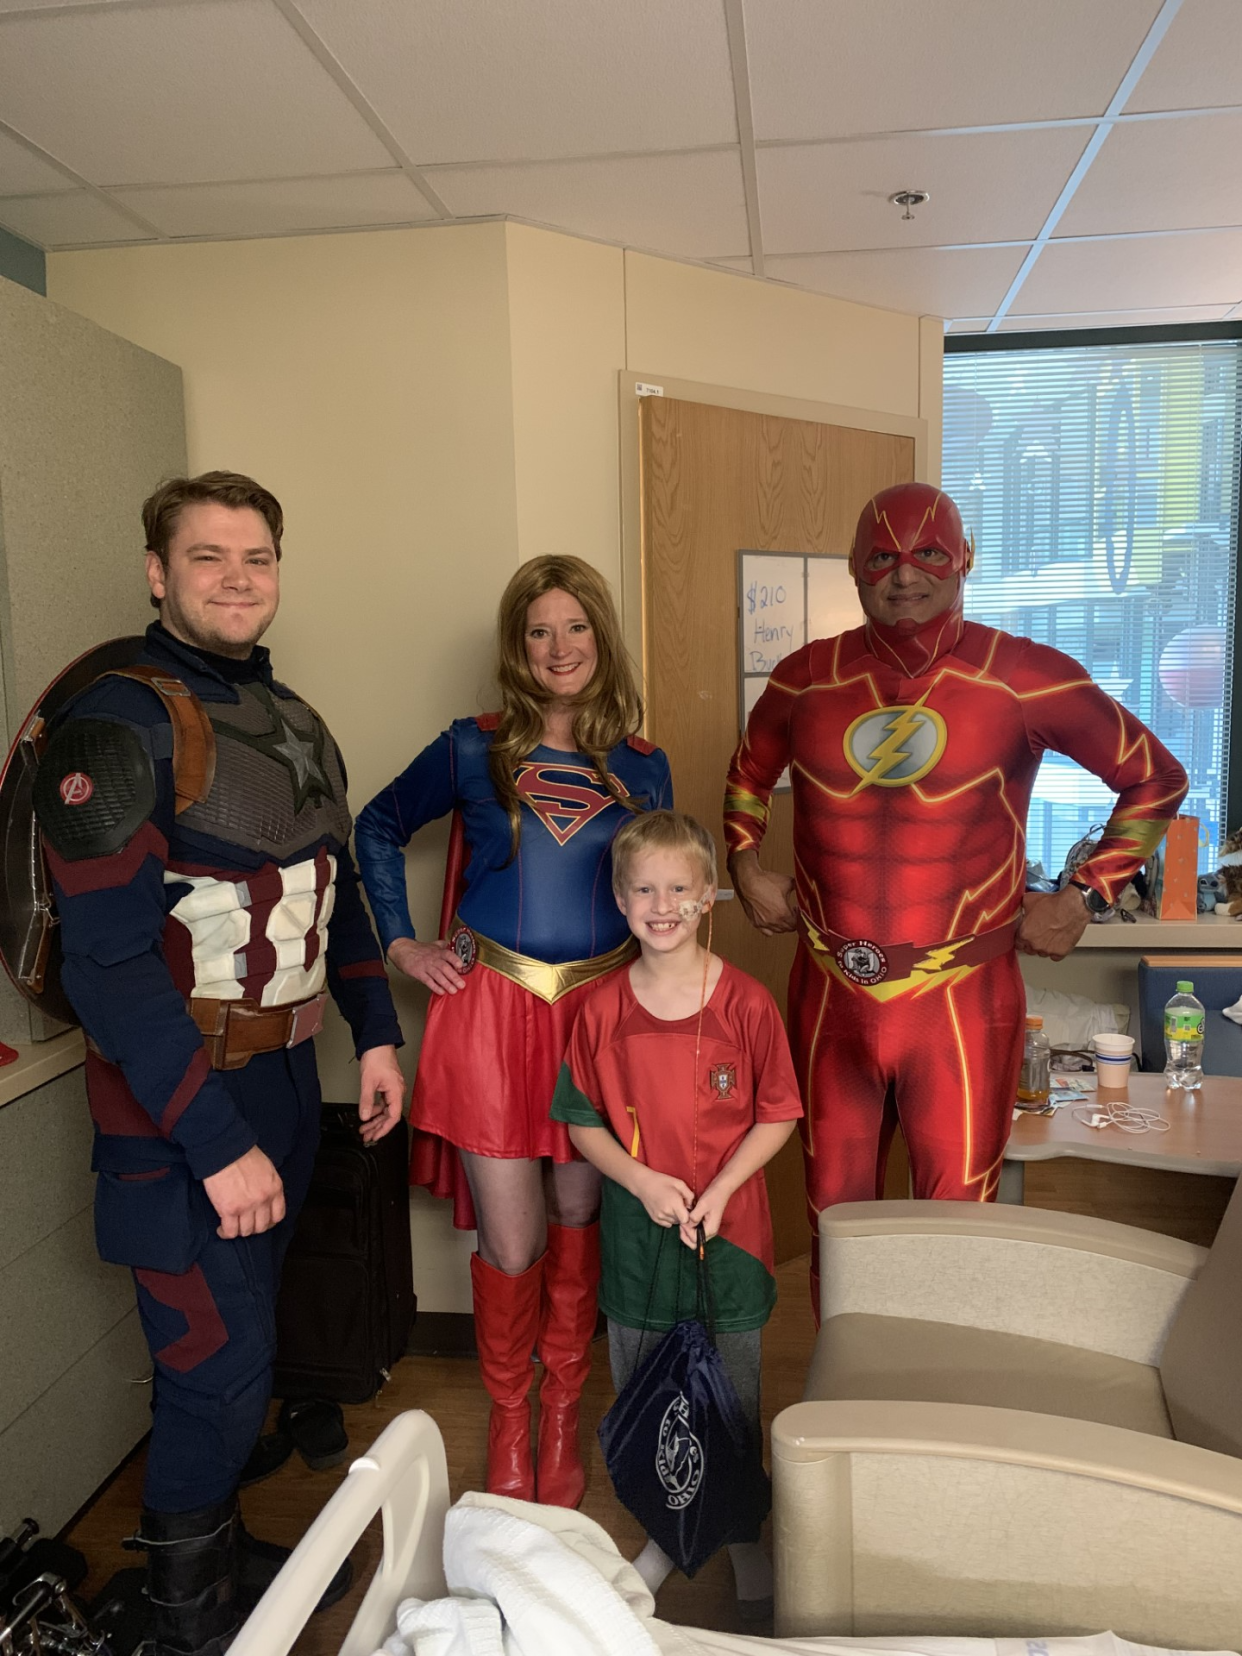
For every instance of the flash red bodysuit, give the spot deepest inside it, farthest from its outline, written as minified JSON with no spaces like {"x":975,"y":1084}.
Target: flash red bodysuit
{"x":912,"y":754}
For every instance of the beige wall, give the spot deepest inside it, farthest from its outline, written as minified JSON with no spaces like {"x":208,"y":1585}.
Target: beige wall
{"x":567,"y":339}
{"x":434,"y":406}
{"x":722,"y":329}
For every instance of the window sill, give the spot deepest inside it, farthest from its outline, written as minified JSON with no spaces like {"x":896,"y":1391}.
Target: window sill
{"x":1209,"y":931}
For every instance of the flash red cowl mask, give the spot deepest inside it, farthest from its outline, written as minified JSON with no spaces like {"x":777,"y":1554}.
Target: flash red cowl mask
{"x":908,"y":521}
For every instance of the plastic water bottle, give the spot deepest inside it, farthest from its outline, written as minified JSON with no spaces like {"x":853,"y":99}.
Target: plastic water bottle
{"x":1033,"y":1079}
{"x":1183,"y":1039}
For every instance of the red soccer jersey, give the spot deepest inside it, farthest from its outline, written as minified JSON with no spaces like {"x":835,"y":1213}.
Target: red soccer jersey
{"x":635,"y":1073}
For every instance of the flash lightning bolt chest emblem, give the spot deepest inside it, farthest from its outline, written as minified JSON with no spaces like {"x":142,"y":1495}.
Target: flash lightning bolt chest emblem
{"x":891,"y":747}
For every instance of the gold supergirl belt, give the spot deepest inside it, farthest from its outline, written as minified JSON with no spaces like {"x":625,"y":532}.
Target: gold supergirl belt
{"x":538,"y":976}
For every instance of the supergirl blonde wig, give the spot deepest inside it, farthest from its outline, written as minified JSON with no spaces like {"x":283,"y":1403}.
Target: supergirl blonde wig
{"x":607,"y":711}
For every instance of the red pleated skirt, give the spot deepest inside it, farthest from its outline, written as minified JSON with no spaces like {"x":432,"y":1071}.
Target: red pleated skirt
{"x":487,"y":1070}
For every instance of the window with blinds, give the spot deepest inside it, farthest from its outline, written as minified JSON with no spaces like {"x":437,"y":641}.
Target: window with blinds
{"x":1101,"y":482}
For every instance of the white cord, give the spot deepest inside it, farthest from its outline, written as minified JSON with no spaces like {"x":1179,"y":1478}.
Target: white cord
{"x":1120,"y":1113}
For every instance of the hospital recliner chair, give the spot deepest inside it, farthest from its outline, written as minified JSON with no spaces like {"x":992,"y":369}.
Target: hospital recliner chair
{"x":1017,"y":1422}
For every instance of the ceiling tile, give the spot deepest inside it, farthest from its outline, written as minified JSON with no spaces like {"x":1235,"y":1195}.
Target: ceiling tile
{"x":994,"y":186}
{"x":280,"y":206}
{"x":968,"y":324}
{"x":1198,"y":267}
{"x":1112,"y":319}
{"x":746,"y":265}
{"x":821,"y":68}
{"x":47,"y":5}
{"x":219,"y":90}
{"x":690,"y":206}
{"x":1199,"y":62}
{"x":66,"y":220}
{"x":474,"y":80}
{"x":24,"y":173}
{"x":1161,"y":175}
{"x":927,"y":281}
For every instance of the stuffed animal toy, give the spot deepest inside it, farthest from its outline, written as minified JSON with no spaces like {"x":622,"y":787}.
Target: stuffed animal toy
{"x":1231,"y":871}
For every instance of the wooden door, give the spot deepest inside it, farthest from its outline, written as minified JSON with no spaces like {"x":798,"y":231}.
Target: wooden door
{"x":716,"y":481}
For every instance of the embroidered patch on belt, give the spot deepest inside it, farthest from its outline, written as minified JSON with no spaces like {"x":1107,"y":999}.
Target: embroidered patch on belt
{"x":464,"y":947}
{"x":723,"y":1079}
{"x":862,"y":962}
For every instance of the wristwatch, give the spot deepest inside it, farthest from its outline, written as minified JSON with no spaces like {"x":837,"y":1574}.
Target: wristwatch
{"x":1096,"y":902}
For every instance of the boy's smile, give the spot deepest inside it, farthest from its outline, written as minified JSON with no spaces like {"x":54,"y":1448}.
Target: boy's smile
{"x":664,"y":898}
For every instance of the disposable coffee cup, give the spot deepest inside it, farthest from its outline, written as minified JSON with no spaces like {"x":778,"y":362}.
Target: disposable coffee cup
{"x":1112,"y":1059}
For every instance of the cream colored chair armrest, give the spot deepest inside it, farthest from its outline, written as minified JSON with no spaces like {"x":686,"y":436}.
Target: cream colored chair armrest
{"x":1051,"y":1276}
{"x":895,"y":1517}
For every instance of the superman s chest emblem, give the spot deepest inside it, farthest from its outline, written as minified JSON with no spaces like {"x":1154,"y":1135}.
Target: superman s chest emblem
{"x":564,"y":797}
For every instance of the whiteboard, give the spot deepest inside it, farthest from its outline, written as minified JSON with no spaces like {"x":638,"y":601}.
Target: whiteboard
{"x":785,"y":599}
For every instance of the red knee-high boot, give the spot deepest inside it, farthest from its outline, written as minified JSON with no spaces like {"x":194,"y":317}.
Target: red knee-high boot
{"x":506,"y":1326}
{"x":570,"y":1307}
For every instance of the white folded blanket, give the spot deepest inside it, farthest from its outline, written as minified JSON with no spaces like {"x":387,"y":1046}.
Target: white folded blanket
{"x":528,"y":1580}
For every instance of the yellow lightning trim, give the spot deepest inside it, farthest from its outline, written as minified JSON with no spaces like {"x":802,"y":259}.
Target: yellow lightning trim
{"x":885,"y":756}
{"x":808,"y":1120}
{"x":631,"y":1110}
{"x":968,"y":1118}
{"x":935,"y":960}
{"x":929,"y":516}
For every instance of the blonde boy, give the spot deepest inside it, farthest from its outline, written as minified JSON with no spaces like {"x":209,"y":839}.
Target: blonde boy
{"x":679,"y":1087}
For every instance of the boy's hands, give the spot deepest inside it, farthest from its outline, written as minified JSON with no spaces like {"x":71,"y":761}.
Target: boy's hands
{"x":708,"y":1211}
{"x":666,"y":1199}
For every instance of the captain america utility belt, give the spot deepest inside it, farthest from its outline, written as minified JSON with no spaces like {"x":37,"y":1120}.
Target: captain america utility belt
{"x":549,"y":982}
{"x":866,"y":963}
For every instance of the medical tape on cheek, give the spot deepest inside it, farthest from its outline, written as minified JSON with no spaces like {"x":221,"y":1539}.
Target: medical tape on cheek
{"x":692,"y":908}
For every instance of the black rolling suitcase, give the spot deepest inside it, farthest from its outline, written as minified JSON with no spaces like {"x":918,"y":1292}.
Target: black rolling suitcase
{"x":346,"y":1300}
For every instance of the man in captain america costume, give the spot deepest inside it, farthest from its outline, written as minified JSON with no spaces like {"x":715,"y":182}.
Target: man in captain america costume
{"x":913,"y":742}
{"x":198,"y":938}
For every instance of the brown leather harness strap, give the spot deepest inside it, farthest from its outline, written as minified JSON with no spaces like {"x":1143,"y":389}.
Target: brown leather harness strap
{"x":194,"y":741}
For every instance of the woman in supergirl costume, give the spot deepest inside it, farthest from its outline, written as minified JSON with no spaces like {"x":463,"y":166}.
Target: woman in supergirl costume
{"x":538,"y":791}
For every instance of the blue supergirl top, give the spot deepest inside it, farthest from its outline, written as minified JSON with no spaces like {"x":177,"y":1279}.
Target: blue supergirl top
{"x":554,"y":901}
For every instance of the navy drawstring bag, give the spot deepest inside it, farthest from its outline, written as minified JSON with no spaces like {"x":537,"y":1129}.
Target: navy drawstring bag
{"x":679,"y":1449}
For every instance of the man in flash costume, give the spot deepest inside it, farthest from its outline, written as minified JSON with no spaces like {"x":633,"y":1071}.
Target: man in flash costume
{"x":196,"y":829}
{"x":913,"y":743}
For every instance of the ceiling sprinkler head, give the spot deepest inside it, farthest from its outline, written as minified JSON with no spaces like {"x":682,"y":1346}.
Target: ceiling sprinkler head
{"x":909,"y":199}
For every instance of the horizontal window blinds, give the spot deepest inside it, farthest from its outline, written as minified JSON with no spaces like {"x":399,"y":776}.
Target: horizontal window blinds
{"x":1100,"y":483}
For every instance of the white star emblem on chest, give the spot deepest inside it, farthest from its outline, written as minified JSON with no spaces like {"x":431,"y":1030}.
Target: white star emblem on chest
{"x":301,"y":756}
{"x":298,"y":752}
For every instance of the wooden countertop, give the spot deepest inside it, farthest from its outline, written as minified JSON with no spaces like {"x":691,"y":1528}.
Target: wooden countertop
{"x":1204,"y":1136}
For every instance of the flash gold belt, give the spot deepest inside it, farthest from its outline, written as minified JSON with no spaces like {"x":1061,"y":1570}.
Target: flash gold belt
{"x":547,"y":981}
{"x":867,"y":963}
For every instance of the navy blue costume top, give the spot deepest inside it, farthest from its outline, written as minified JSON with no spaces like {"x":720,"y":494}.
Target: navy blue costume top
{"x":130,"y":963}
{"x":553,"y":901}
